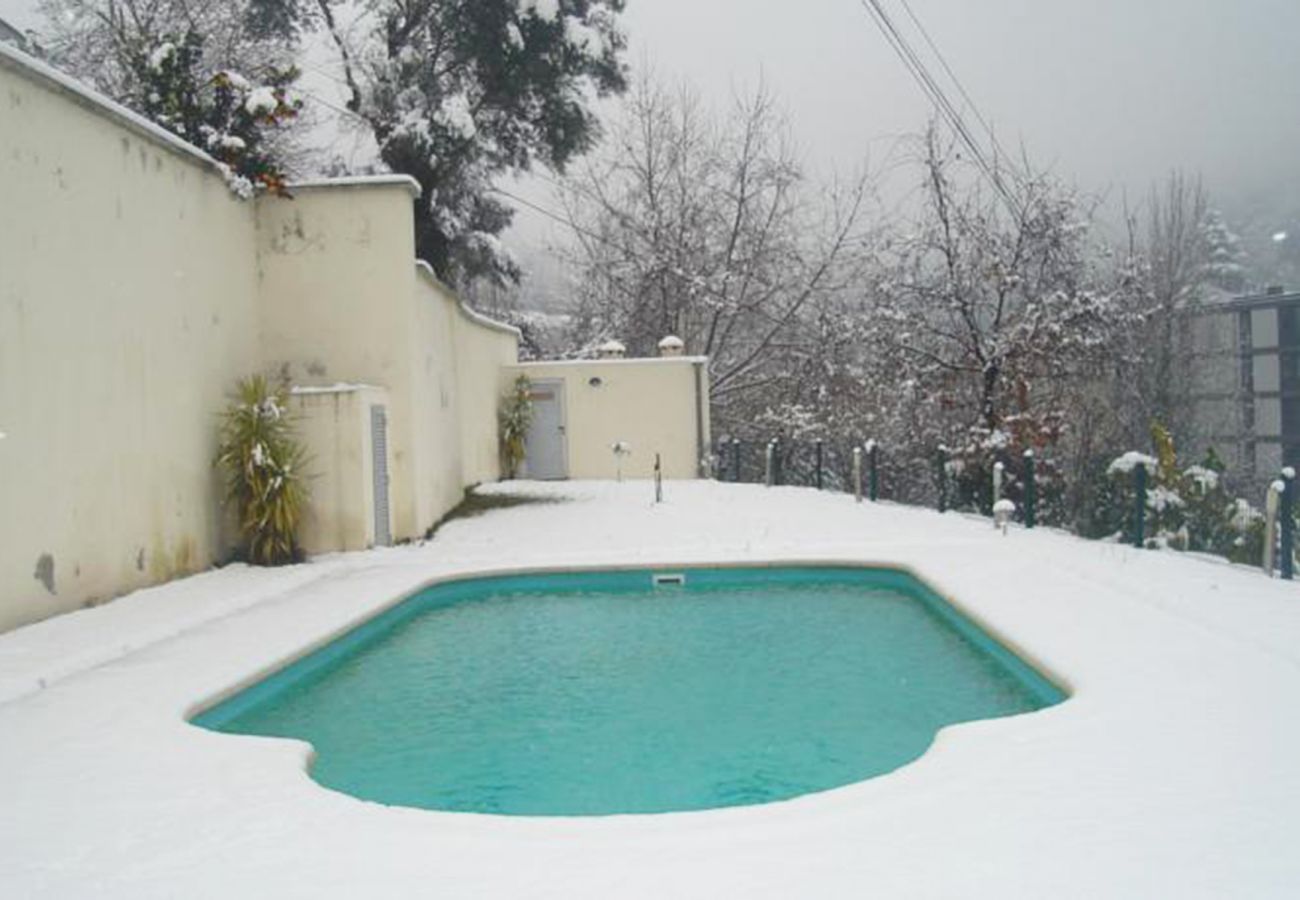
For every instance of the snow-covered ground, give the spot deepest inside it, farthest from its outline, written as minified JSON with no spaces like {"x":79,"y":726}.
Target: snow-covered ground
{"x":1172,"y":771}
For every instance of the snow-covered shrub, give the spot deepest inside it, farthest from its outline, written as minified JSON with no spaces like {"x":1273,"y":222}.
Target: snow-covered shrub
{"x":265,"y":471}
{"x":514,"y":417}
{"x":223,"y":113}
{"x":1246,"y":530}
{"x":1187,"y":509}
{"x":971,"y":467}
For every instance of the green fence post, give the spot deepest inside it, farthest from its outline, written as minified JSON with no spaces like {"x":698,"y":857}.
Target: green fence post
{"x":1031,"y":491}
{"x":873,"y":477}
{"x":1286,"y":527}
{"x":1139,"y":503}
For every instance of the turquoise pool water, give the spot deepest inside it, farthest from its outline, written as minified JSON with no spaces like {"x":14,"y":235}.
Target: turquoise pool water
{"x":598,"y":693}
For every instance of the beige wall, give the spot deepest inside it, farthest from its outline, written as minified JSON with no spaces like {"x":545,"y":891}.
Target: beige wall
{"x":342,"y":299}
{"x":484,"y":350}
{"x":334,"y":425}
{"x":337,"y":287}
{"x":135,"y":290}
{"x":437,"y":413}
{"x":654,"y":405}
{"x":127,"y":304}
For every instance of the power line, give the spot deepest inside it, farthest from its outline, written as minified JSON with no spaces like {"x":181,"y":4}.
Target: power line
{"x":565,"y":221}
{"x":928,"y":84}
{"x":970,"y":103}
{"x":917,"y":68}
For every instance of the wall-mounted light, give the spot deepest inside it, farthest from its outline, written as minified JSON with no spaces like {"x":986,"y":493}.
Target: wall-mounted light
{"x":595,"y":381}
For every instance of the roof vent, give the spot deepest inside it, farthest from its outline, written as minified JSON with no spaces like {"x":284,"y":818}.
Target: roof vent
{"x":672,"y":345}
{"x":611,"y":350}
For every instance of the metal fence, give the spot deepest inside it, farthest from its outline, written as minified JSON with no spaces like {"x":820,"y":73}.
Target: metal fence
{"x":865,"y":470}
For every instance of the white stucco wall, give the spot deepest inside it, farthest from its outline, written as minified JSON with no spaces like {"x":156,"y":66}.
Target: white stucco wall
{"x":337,"y":285}
{"x":484,"y":352}
{"x":654,"y":405}
{"x":128,"y":286}
{"x":343,"y":299}
{"x":440,"y":486}
{"x":135,"y":290}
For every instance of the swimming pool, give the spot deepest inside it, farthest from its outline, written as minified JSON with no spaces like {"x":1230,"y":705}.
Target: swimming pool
{"x":637,"y":691}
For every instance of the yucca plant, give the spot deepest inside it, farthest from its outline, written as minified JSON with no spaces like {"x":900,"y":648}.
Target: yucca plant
{"x":265,"y":469}
{"x":514,"y":418}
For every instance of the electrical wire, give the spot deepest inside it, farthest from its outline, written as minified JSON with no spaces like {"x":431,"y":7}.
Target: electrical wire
{"x":970,"y":103}
{"x":917,"y":68}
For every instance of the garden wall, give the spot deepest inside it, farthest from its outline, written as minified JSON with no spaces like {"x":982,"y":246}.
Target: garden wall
{"x":128,"y":306}
{"x":136,"y":289}
{"x":652,"y":405}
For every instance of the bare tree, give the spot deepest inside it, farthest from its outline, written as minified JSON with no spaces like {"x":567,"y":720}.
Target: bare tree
{"x":701,"y":227}
{"x":1165,"y":282}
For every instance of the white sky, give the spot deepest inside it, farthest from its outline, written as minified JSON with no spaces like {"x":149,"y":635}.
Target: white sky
{"x":1112,"y":94}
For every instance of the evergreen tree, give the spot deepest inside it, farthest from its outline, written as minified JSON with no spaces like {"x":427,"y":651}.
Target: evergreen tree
{"x":458,"y":92}
{"x":1224,"y":267}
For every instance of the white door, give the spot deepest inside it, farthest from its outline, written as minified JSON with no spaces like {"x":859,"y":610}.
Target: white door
{"x":544,"y":449}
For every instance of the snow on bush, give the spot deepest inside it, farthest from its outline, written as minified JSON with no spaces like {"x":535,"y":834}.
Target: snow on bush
{"x":222,"y":113}
{"x":1129,"y":461}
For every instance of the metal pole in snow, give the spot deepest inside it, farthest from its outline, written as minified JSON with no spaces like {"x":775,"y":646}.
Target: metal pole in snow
{"x":1286,"y":553}
{"x":1271,"y":501}
{"x":1031,"y":491}
{"x":777,"y":475}
{"x":767,"y":463}
{"x":857,"y":474}
{"x":659,"y":481}
{"x":873,"y":475}
{"x":735,"y":460}
{"x":819,"y":464}
{"x":1139,"y":503}
{"x":997,"y":481}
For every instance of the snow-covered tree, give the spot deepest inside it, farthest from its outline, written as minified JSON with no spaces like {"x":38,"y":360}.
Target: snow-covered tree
{"x":200,"y":70}
{"x":1162,"y":280}
{"x":986,"y":321}
{"x":1225,"y":259}
{"x":458,"y":92}
{"x":454,"y":92}
{"x":98,"y":40}
{"x":703,"y":227}
{"x":224,"y":114}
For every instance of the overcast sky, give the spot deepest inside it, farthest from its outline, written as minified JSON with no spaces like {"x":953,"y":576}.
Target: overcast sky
{"x":1111,"y":93}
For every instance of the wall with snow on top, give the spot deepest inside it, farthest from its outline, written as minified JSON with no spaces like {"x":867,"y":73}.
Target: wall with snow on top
{"x":136,"y":289}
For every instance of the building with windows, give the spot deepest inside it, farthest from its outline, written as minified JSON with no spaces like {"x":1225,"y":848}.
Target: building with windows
{"x":1246,"y":381}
